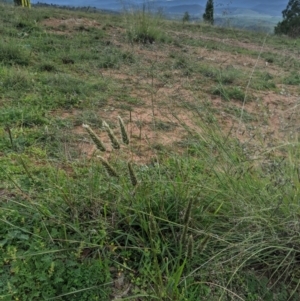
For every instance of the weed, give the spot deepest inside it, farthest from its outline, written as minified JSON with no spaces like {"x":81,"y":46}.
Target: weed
{"x":263,"y":81}
{"x":230,"y":76}
{"x":228,"y":93}
{"x":292,"y":79}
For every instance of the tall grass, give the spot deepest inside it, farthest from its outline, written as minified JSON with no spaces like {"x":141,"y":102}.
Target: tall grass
{"x":236,"y":215}
{"x":144,"y":25}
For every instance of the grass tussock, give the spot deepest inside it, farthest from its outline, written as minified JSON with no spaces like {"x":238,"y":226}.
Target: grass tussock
{"x":211,"y":215}
{"x":144,"y":26}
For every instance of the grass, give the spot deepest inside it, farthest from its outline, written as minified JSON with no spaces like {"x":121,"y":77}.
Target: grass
{"x":292,"y":79}
{"x":228,"y":93}
{"x":144,"y":26}
{"x":186,"y":197}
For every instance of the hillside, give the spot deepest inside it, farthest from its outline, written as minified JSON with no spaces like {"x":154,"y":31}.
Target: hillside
{"x":146,"y":159}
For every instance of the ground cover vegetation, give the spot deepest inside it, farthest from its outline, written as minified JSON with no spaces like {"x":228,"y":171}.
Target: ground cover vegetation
{"x":146,"y":159}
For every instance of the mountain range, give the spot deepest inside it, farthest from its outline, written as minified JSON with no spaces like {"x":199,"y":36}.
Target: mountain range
{"x":179,"y":7}
{"x":258,"y":15}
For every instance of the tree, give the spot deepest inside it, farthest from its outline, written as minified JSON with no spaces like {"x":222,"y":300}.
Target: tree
{"x":208,"y":16}
{"x":186,"y":17}
{"x":24,"y":3}
{"x":290,"y":25}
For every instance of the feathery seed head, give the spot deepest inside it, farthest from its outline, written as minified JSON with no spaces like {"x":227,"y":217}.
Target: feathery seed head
{"x":203,"y":243}
{"x":109,"y":169}
{"x":187,"y":214}
{"x":114,"y":141}
{"x":124,"y":135}
{"x":190,"y":247}
{"x":153,"y":224}
{"x":183,"y":236}
{"x":132,"y":175}
{"x":95,"y":138}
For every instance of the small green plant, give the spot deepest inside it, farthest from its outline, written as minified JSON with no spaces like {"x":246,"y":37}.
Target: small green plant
{"x":229,"y":93}
{"x":292,"y":79}
{"x":229,"y":76}
{"x":263,"y":81}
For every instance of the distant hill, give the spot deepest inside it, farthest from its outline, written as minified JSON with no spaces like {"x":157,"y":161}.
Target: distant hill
{"x":273,"y":10}
{"x":193,"y":9}
{"x":254,"y":14}
{"x":269,"y":7}
{"x":247,"y":12}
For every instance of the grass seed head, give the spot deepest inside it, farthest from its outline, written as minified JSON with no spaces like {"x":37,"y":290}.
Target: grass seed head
{"x":114,"y":141}
{"x":187,"y":214}
{"x":100,"y":146}
{"x":183,"y":236}
{"x":203,"y":243}
{"x":124,"y":135}
{"x":190,"y":247}
{"x":132,"y":175}
{"x":109,"y":169}
{"x":153,"y":225}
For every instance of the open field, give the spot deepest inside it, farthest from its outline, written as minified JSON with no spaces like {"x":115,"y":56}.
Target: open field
{"x":202,"y":202}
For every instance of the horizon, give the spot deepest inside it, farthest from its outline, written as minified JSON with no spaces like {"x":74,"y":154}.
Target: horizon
{"x":191,"y":6}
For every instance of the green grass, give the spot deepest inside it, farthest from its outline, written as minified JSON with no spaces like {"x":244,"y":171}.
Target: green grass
{"x":145,"y":27}
{"x":229,"y":93}
{"x":227,"y":220}
{"x":292,"y":79}
{"x":215,"y":220}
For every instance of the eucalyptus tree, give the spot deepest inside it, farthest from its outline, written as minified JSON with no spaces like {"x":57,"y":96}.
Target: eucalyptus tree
{"x":208,"y":16}
{"x":290,"y":25}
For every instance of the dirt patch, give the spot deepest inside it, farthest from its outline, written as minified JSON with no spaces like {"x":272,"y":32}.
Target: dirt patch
{"x":67,"y":26}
